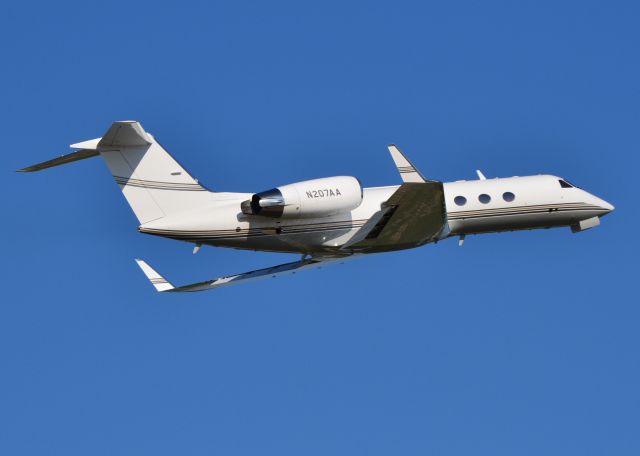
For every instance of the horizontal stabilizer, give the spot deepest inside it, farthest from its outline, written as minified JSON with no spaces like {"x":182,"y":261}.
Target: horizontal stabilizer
{"x":122,"y":134}
{"x":161,"y":284}
{"x":62,"y":160}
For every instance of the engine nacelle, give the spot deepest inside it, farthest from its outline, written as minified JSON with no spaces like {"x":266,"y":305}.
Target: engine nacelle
{"x":312,"y":198}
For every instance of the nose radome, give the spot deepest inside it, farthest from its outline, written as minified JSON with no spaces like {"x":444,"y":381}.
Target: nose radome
{"x":605,"y":205}
{"x":602,"y":204}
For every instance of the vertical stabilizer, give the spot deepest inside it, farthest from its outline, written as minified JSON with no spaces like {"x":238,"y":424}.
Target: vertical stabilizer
{"x":154,"y":184}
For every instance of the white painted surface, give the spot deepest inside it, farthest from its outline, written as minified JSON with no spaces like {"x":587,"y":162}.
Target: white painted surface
{"x":323,"y":216}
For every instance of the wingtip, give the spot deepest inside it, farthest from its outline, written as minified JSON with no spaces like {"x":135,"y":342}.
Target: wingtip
{"x":159,"y":282}
{"x":407,"y":171}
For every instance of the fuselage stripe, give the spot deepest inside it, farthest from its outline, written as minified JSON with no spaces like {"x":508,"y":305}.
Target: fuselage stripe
{"x":524,"y":210}
{"x":319,"y":227}
{"x":158,"y":185}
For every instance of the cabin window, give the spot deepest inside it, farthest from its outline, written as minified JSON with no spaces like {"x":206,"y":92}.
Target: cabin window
{"x":484,"y":198}
{"x":460,"y":200}
{"x":565,"y":184}
{"x":508,"y":196}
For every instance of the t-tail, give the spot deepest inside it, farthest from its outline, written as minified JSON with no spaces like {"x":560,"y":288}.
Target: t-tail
{"x":152,"y":181}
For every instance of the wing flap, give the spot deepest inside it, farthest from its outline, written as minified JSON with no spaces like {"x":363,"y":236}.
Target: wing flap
{"x":367,"y":229}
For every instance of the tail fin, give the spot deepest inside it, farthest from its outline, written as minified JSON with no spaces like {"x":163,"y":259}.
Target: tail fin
{"x":153,"y":183}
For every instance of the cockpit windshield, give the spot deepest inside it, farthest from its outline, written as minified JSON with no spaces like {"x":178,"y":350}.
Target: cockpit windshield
{"x":566,"y":184}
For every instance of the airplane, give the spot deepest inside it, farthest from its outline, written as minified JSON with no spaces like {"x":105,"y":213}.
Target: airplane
{"x":327,"y":219}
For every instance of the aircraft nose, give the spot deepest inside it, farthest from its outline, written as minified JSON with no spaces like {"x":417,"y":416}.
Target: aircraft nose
{"x":604,"y":205}
{"x":607,"y":206}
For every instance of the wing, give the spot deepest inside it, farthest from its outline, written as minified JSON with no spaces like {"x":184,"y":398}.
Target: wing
{"x":414,"y":215}
{"x":162,"y":284}
{"x":367,"y":228}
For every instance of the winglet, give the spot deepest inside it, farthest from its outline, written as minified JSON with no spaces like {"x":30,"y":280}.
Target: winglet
{"x":408,"y":172}
{"x":159,"y":282}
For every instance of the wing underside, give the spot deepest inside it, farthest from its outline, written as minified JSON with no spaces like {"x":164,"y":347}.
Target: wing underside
{"x":162,"y":284}
{"x":414,"y":215}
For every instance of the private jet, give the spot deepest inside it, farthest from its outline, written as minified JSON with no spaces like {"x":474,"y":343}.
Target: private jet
{"x":323,"y":220}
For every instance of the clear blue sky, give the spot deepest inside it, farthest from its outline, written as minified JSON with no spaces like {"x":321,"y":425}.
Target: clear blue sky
{"x":520,"y":343}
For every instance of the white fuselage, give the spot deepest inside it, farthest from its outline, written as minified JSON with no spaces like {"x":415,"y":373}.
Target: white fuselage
{"x":517,"y":203}
{"x":324,"y":219}
{"x":513,"y":203}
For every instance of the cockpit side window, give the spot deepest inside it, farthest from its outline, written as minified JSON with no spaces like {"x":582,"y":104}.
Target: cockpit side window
{"x":564,"y":183}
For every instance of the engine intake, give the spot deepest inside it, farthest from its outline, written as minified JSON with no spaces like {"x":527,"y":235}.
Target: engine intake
{"x":312,"y":198}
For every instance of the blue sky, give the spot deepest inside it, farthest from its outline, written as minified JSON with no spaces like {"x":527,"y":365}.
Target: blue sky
{"x":520,"y":343}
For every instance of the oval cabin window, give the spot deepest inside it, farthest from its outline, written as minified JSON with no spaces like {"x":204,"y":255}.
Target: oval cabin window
{"x":508,"y":196}
{"x":460,"y":200}
{"x":484,"y":198}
